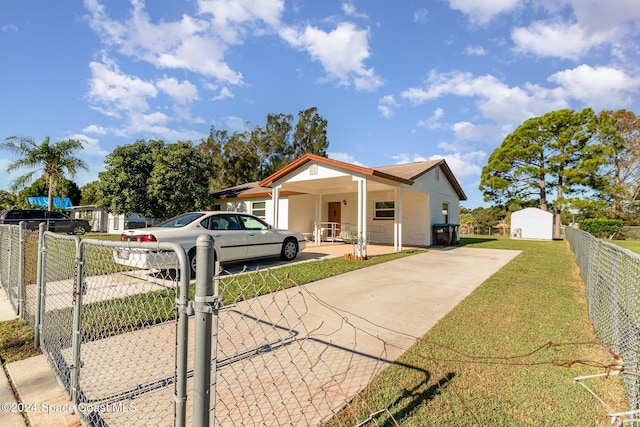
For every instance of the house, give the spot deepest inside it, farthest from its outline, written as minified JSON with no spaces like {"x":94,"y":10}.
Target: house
{"x":327,"y":199}
{"x":532,"y":223}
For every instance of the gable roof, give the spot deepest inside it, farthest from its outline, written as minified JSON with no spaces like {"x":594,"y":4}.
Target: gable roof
{"x":405,"y":173}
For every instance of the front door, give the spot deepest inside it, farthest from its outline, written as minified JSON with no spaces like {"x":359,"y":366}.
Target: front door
{"x":334,"y":220}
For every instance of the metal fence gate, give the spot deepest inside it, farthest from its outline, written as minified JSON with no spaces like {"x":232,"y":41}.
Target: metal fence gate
{"x":612,"y":278}
{"x":114,"y":335}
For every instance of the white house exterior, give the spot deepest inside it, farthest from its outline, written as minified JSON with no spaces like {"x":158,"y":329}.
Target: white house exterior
{"x":532,"y":223}
{"x":327,"y":199}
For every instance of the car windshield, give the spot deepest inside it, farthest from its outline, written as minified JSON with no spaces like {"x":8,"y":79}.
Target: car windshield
{"x":181,"y":220}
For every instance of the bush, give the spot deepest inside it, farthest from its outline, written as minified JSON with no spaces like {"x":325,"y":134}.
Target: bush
{"x":602,"y":228}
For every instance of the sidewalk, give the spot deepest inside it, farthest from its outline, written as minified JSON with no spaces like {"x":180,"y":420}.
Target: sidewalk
{"x":407,"y":297}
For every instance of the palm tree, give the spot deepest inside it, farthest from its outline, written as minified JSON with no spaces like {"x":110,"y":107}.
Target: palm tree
{"x":53,"y":159}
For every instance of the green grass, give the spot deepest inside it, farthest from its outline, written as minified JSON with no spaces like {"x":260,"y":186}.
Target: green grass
{"x":632,"y":245}
{"x":114,"y":316}
{"x":16,"y":341}
{"x":505,"y":356}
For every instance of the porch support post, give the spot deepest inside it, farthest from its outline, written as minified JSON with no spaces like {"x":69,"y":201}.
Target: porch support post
{"x":397,"y":222}
{"x":362,"y":217}
{"x":316,"y":221}
{"x":275,"y":197}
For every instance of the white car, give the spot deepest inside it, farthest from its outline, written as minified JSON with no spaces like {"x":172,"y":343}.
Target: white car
{"x":236,"y":236}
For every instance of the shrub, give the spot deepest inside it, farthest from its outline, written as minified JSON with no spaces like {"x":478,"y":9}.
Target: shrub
{"x":602,"y":228}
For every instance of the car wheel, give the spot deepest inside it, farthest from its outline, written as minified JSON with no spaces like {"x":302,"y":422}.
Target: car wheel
{"x":289,"y":250}
{"x":79,"y":231}
{"x":192,"y":263}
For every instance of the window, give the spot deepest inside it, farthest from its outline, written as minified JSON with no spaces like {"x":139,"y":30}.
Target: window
{"x":259,"y":209}
{"x":384,"y":210}
{"x":251,"y":223}
{"x":445,"y":213}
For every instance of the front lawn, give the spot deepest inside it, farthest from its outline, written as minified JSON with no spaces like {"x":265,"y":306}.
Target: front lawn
{"x":505,"y":356}
{"x":632,"y":245}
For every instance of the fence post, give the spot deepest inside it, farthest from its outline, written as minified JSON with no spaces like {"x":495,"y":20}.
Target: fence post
{"x":182,"y":339}
{"x":205,"y":304}
{"x":21,"y":251}
{"x":77,"y":320}
{"x":37,"y":328}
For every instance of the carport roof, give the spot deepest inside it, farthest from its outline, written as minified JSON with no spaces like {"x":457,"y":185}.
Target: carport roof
{"x":405,"y":173}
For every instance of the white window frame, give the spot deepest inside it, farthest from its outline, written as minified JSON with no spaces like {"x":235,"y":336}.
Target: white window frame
{"x":384,"y":208}
{"x":260,"y":212}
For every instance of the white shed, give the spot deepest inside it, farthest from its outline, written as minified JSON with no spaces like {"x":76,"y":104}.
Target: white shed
{"x":532,"y":223}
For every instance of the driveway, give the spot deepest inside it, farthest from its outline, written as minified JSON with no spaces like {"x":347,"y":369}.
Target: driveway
{"x":295,"y":357}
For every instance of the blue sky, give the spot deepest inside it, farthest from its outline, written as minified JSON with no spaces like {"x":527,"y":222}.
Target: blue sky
{"x":397,"y":81}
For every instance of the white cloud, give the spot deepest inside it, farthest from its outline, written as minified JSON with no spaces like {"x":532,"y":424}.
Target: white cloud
{"x":574,"y":28}
{"x":433,"y":122}
{"x":598,"y":87}
{"x":341,"y":52}
{"x":463,"y":164}
{"x":224,"y":93}
{"x":177,"y":45}
{"x":560,"y":40}
{"x":481,"y":12}
{"x":420,"y":15}
{"x":90,"y":146}
{"x":233,"y":18}
{"x":344,"y":157}
{"x":598,"y":15}
{"x":467,"y":131}
{"x":95,"y":129}
{"x":236,"y":124}
{"x":349,"y":9}
{"x":182,"y":92}
{"x":494,"y":99}
{"x":475,"y":51}
{"x":115,"y":91}
{"x":386,"y":104}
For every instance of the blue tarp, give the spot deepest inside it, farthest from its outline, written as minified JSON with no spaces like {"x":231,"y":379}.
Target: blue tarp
{"x":58,"y":202}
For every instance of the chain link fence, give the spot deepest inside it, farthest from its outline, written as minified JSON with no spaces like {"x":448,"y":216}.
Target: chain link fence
{"x":115,"y":335}
{"x":18,"y":265}
{"x":11,"y":258}
{"x":612,"y":278}
{"x":122,"y":340}
{"x":285,"y":357}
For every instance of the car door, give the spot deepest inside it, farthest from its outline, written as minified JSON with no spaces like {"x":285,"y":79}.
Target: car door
{"x":58,"y":222}
{"x":261,"y":240}
{"x":229,"y":237}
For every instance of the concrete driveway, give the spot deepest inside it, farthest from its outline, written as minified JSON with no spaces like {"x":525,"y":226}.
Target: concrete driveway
{"x":296,"y":356}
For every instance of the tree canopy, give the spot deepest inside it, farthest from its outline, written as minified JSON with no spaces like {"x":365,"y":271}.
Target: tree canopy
{"x":619,"y":134}
{"x":551,"y":153}
{"x":153,"y":179}
{"x":53,"y":160}
{"x":252,"y":155}
{"x":586,"y":162}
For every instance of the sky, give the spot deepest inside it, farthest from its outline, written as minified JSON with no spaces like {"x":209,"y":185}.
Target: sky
{"x":398,"y":82}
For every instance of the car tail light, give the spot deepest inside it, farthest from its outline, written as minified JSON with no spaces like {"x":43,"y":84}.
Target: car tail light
{"x":138,"y":238}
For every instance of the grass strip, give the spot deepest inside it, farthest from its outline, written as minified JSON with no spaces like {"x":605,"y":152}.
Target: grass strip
{"x":16,"y":341}
{"x":119,"y":315}
{"x":505,"y":356}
